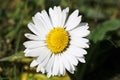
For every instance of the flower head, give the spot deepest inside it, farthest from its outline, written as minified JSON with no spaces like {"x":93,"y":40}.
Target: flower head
{"x":57,"y":42}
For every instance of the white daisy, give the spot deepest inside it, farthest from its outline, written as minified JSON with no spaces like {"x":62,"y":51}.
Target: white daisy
{"x":58,"y":41}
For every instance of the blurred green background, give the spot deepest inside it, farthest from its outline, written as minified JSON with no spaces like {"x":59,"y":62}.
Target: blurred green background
{"x":103,"y":58}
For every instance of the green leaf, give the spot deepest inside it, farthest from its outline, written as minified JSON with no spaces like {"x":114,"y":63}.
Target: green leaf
{"x":19,"y":57}
{"x":100,"y":32}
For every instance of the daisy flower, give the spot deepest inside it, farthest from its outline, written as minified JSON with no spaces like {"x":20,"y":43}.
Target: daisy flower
{"x":57,"y":42}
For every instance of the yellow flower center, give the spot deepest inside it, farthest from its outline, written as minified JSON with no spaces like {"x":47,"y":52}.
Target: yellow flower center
{"x":57,"y":40}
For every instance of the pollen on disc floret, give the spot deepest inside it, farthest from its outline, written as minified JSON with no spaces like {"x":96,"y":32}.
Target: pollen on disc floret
{"x":57,"y":40}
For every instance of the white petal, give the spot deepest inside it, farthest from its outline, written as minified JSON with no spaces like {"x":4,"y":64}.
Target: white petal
{"x":34,"y":44}
{"x":44,"y":20}
{"x":34,"y":37}
{"x":49,"y":74}
{"x":44,"y":52}
{"x":58,"y":12}
{"x":82,"y":60}
{"x":55,"y":15}
{"x":80,"y":42}
{"x":64,"y":16}
{"x":59,"y":16}
{"x":51,"y":13}
{"x":40,"y":68}
{"x":33,"y":28}
{"x":83,"y":26}
{"x":26,"y":50}
{"x":64,"y":71}
{"x":69,"y":66}
{"x":79,"y":39}
{"x":65,"y":62}
{"x":75,"y":51}
{"x":34,"y":63}
{"x":73,"y":20}
{"x":43,"y":63}
{"x":62,"y":68}
{"x":56,"y":66}
{"x":39,"y":23}
{"x":41,"y":51}
{"x":47,"y":19}
{"x":80,"y":31}
{"x":50,"y":64}
{"x":32,"y":52}
{"x":72,"y":58}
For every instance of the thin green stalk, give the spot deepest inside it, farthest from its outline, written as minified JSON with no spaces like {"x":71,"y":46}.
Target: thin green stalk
{"x":17,"y":43}
{"x":15,"y":75}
